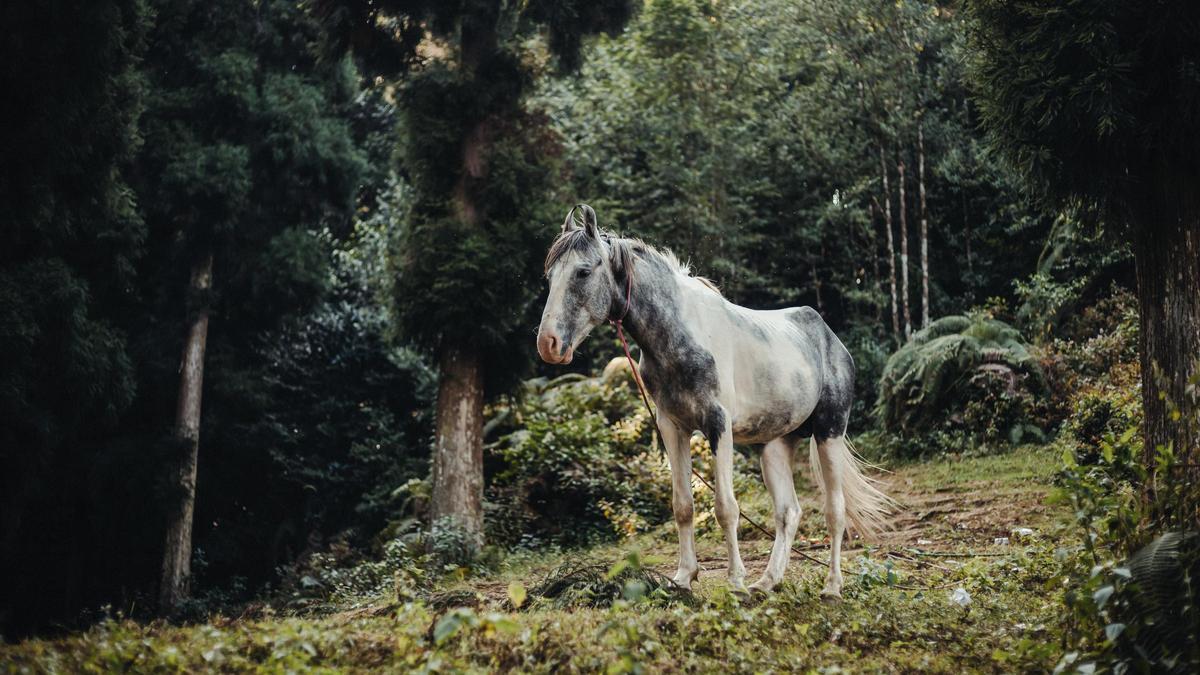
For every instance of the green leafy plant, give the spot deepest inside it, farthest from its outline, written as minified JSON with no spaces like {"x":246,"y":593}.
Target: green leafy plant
{"x":575,"y":462}
{"x":971,"y":374}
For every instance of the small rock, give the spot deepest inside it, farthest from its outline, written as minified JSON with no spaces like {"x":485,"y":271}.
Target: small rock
{"x":960,"y":597}
{"x":1000,"y":541}
{"x":1022,"y":533}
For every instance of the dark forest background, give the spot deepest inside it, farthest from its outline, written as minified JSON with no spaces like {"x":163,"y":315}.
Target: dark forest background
{"x":830,"y":154}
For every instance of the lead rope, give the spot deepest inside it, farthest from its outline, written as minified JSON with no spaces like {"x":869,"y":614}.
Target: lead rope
{"x":637,"y":379}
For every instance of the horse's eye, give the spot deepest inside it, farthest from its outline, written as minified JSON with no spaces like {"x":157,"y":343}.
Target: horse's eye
{"x":583,"y":273}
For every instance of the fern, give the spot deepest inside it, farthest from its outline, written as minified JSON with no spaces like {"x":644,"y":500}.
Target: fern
{"x":925,"y":378}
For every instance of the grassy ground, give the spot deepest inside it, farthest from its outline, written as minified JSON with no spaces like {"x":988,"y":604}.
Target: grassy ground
{"x":898,"y":612}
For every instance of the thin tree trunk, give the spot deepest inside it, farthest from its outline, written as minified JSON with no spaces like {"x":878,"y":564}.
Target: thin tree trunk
{"x":924,"y":226}
{"x":458,"y":453}
{"x":177,"y":549}
{"x":1167,"y":252}
{"x":891,"y":244}
{"x":817,"y":286}
{"x":875,"y":260}
{"x":904,"y":255}
{"x":967,"y":237}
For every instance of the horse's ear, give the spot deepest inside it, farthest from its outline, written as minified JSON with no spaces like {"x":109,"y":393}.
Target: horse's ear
{"x":569,"y":222}
{"x":589,"y":221}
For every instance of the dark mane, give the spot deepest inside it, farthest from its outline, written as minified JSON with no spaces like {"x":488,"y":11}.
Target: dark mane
{"x":571,"y":240}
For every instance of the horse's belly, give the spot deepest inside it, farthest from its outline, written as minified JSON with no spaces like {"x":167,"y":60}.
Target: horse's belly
{"x":765,"y":412}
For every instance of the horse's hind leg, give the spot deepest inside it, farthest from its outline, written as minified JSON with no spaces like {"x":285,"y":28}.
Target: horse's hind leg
{"x":828,"y":455}
{"x":777,"y":466}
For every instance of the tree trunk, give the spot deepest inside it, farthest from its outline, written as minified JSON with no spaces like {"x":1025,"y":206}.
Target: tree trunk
{"x":924,"y":227}
{"x":458,"y":454}
{"x":812,"y":266}
{"x":891,"y":244}
{"x":177,"y":550}
{"x":875,"y":260}
{"x":904,"y":255}
{"x":1167,"y":252}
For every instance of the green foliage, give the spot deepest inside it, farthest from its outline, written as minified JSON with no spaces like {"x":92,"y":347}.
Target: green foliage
{"x":1092,"y":100}
{"x":763,"y":171}
{"x":973,"y":372}
{"x":574,"y":464}
{"x":72,"y":236}
{"x":1116,"y":615}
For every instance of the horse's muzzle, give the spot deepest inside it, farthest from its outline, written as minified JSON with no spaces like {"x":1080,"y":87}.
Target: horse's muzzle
{"x":552,"y":349}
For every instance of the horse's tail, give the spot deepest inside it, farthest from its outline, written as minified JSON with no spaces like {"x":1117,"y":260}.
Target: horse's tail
{"x":867,"y":507}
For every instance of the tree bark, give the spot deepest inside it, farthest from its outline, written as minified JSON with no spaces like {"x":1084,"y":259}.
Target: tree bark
{"x":177,"y":549}
{"x":1167,"y":253}
{"x":904,"y":255}
{"x":924,"y":226}
{"x":458,"y":454}
{"x":457,"y":493}
{"x":891,"y":244}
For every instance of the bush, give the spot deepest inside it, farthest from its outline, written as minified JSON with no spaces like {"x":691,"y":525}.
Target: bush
{"x":575,"y":462}
{"x":1120,"y":603}
{"x":961,"y":382}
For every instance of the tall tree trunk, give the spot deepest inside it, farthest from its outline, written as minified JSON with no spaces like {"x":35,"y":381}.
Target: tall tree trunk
{"x":875,"y":260}
{"x":812,"y":266}
{"x":924,"y":226}
{"x":458,"y":452}
{"x":904,"y":255}
{"x":891,"y":243}
{"x":1167,"y":252}
{"x":177,"y":549}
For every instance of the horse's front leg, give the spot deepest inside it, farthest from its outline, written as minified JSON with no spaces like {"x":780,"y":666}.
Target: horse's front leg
{"x":720,"y":437}
{"x":679,"y":453}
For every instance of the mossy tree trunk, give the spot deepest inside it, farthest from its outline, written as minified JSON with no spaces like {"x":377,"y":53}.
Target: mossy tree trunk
{"x":177,"y":548}
{"x":1167,"y":251}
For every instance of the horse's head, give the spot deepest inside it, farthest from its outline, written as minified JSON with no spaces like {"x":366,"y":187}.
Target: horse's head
{"x":582,"y":286}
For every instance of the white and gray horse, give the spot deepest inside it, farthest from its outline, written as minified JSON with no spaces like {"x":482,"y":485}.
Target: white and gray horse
{"x":733,"y":374}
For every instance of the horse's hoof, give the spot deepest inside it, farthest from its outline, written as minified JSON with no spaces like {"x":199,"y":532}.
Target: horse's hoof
{"x":831,"y":596}
{"x":678,"y":587}
{"x":759,"y":588}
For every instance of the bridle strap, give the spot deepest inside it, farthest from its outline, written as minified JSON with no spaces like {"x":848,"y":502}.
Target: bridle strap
{"x":618,"y":322}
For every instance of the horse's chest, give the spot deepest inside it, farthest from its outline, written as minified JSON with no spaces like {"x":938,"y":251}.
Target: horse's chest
{"x":686,"y":387}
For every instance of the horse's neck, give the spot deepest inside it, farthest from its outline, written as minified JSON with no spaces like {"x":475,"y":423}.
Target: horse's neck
{"x":655,"y":316}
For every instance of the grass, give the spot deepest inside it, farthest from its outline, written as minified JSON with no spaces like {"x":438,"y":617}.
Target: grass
{"x":946,"y":539}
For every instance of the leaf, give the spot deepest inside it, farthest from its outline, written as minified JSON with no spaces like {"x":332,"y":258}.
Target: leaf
{"x":1102,"y":595}
{"x":450,"y":624}
{"x":1113,"y":630}
{"x":516,"y":594}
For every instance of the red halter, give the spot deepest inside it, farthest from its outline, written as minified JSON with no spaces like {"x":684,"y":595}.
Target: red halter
{"x":625,"y":345}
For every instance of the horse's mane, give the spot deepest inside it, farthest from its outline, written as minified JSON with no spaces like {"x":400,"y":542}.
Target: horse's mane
{"x":623,"y":250}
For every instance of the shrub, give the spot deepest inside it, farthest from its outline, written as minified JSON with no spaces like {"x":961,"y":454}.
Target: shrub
{"x":1124,"y":599}
{"x":965,"y":376}
{"x":575,"y":462}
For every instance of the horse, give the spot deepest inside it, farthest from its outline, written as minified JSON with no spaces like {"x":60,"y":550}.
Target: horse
{"x":733,"y":374}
